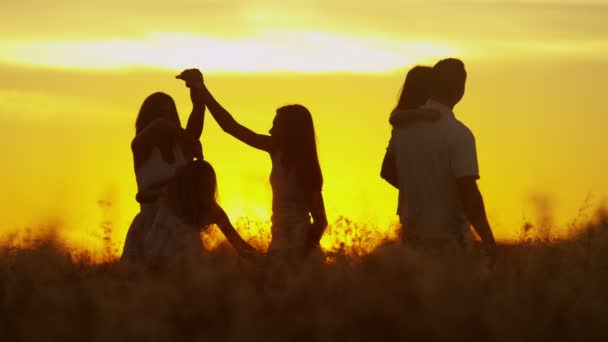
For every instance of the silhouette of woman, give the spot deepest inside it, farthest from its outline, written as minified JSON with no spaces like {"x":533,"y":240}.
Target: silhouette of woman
{"x":188,"y":207}
{"x":159,"y":148}
{"x":415,"y":93}
{"x":296,"y":177}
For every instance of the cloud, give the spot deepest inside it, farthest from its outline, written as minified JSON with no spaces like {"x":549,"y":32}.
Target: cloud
{"x":303,"y":36}
{"x":298,"y":51}
{"x":499,"y":19}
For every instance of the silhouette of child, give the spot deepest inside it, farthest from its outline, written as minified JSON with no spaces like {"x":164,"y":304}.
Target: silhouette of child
{"x":298,"y":210}
{"x":188,"y":207}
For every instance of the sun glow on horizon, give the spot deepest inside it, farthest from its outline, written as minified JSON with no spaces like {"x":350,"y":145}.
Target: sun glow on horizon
{"x":267,"y":51}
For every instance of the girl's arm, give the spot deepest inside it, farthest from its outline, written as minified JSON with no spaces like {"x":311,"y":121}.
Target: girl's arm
{"x":194,"y":81}
{"x":242,"y":247}
{"x":319,"y":219}
{"x":196,"y":120}
{"x":232,"y":127}
{"x":407,"y":117}
{"x":194,"y":128}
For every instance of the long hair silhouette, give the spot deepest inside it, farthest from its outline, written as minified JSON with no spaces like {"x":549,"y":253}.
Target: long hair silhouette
{"x":192,"y":193}
{"x":156,"y":106}
{"x":417,"y":88}
{"x":296,"y":179}
{"x":296,"y":141}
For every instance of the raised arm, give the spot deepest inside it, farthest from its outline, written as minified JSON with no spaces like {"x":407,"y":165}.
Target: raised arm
{"x":196,"y":120}
{"x":194,"y":128}
{"x":319,"y":220}
{"x":194,"y":81}
{"x":232,"y":127}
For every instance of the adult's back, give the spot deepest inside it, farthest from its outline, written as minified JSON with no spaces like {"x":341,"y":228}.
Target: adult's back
{"x":430,"y":156}
{"x":436,"y":167}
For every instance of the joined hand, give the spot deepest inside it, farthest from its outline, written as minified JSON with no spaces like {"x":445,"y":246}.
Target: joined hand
{"x":193,"y":78}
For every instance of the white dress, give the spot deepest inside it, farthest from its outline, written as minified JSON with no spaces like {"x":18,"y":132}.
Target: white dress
{"x":291,"y":221}
{"x":152,"y":176}
{"x":169,"y":238}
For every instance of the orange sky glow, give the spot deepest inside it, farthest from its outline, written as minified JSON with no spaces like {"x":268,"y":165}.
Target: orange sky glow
{"x":75,"y":74}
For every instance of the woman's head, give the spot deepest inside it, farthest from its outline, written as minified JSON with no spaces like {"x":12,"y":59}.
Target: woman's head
{"x":294,"y":135}
{"x":416,"y":88}
{"x":192,"y":192}
{"x":156,"y":106}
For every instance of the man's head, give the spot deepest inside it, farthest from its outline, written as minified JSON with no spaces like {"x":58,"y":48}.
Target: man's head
{"x":449,"y":81}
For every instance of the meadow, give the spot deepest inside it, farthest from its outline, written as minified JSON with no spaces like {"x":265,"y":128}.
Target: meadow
{"x":539,"y":289}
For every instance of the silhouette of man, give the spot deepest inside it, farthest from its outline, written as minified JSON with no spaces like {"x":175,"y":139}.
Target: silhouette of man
{"x":436,"y":169}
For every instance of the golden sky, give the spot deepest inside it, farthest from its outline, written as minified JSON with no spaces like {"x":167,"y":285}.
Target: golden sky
{"x":74,"y":75}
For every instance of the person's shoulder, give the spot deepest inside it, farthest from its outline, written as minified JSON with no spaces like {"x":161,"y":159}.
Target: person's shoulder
{"x":394,"y":113}
{"x":460,"y":131}
{"x":460,"y":127}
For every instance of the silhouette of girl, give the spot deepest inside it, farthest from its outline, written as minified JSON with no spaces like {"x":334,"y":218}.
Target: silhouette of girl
{"x":159,"y":148}
{"x":415,"y":93}
{"x":296,"y":177}
{"x":188,"y":207}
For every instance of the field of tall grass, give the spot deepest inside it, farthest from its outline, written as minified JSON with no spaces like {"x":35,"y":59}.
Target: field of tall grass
{"x":538,"y":290}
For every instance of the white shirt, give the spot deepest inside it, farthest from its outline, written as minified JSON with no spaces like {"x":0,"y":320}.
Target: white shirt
{"x":430,"y":156}
{"x":169,"y":237}
{"x":155,"y":170}
{"x":289,"y":206}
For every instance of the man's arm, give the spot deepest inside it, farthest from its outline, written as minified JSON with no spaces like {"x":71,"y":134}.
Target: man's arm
{"x":465,"y":169}
{"x":474,"y":209}
{"x":389,"y":169}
